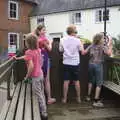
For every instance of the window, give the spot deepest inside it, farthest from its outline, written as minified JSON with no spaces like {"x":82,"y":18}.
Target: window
{"x":76,"y":18}
{"x":13,"y":39}
{"x":100,"y":15}
{"x":40,"y":20}
{"x":13,"y":10}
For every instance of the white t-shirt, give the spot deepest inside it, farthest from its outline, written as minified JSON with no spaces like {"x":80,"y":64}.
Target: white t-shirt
{"x":70,"y":46}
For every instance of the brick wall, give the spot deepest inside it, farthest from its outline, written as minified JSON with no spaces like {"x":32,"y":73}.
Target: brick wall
{"x":20,"y":26}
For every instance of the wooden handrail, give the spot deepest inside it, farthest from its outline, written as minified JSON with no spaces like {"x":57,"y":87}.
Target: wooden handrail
{"x":5,"y":74}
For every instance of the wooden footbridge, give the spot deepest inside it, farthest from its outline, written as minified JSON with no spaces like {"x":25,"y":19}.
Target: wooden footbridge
{"x":22,"y":104}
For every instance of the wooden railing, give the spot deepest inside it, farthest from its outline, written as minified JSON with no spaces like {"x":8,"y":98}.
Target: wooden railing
{"x":6,"y":74}
{"x":112,"y":74}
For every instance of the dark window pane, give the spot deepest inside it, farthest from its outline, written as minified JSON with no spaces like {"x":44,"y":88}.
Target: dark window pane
{"x":11,"y":6}
{"x":14,"y":14}
{"x":106,"y":16}
{"x":14,"y":6}
{"x":100,"y":15}
{"x":78,"y":17}
{"x":40,"y":20}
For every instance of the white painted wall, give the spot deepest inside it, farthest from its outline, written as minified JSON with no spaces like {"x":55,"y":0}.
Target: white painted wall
{"x":114,"y":26}
{"x":33,"y":23}
{"x":57,"y":23}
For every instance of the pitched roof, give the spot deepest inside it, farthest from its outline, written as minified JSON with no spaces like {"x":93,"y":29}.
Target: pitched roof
{"x":33,"y":1}
{"x":56,"y":6}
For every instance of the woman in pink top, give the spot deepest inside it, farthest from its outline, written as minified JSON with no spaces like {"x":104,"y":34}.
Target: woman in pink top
{"x":34,"y":63}
{"x":45,"y":46}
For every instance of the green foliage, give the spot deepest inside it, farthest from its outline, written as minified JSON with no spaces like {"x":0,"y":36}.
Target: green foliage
{"x":116,"y":46}
{"x":86,"y":41}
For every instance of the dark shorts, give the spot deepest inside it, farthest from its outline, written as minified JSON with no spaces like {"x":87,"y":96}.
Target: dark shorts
{"x":96,"y":74}
{"x":45,"y":63}
{"x":71,"y":72}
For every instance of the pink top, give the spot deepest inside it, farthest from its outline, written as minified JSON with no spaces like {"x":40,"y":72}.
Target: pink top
{"x":41,"y":40}
{"x":35,"y":56}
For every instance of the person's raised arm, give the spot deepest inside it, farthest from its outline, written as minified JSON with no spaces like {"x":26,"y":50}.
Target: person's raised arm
{"x":107,"y":51}
{"x":61,"y":49}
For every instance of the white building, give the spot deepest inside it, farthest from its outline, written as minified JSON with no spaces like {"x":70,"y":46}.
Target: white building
{"x":87,"y":15}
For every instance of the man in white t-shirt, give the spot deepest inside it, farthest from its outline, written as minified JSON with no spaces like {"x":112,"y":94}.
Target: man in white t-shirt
{"x":71,"y":46}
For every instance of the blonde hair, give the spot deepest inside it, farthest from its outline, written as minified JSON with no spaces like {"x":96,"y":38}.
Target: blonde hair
{"x":97,"y":39}
{"x":71,"y":29}
{"x":32,"y":41}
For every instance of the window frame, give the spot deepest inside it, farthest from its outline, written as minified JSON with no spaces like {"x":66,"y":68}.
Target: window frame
{"x":17,"y":42}
{"x":97,"y":15}
{"x":41,"y":17}
{"x":74,"y":17}
{"x":9,"y":10}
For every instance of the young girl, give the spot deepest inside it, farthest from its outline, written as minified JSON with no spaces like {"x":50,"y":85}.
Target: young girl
{"x":97,"y":51}
{"x":34,"y":63}
{"x":45,"y":46}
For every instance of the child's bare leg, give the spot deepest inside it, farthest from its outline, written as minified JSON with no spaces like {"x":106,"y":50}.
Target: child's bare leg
{"x":77,"y":87}
{"x":65,"y":90}
{"x":48,"y":89}
{"x":89,"y":88}
{"x":97,"y":92}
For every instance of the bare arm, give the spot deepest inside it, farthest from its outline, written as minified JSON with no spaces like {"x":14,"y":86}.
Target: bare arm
{"x":108,"y":51}
{"x":83,"y":51}
{"x":61,"y":49}
{"x":19,"y":58}
{"x":48,"y":46}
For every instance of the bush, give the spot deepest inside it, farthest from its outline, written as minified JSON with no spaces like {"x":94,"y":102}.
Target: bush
{"x":116,"y":46}
{"x":86,"y":41}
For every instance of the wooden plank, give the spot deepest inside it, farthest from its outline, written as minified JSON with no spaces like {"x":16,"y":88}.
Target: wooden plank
{"x":112,"y":86}
{"x":5,"y":110}
{"x":20,"y":107}
{"x":28,"y":113}
{"x":13,"y":105}
{"x":36,"y":111}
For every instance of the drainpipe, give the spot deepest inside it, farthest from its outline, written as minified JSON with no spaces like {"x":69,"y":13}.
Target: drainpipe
{"x":105,"y":12}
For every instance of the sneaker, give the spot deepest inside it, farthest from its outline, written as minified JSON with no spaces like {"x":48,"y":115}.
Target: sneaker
{"x":98,"y":104}
{"x":88,"y":98}
{"x":51,"y":101}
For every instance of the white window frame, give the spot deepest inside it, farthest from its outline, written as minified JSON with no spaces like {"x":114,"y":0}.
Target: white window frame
{"x":102,"y":15}
{"x":74,"y":17}
{"x":41,"y":17}
{"x":14,"y":2}
{"x":12,"y":33}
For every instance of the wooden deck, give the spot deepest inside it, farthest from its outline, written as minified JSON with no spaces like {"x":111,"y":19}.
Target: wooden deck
{"x":23,"y":106}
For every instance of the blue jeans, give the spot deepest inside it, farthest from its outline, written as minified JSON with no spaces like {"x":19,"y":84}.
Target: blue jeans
{"x":96,"y":74}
